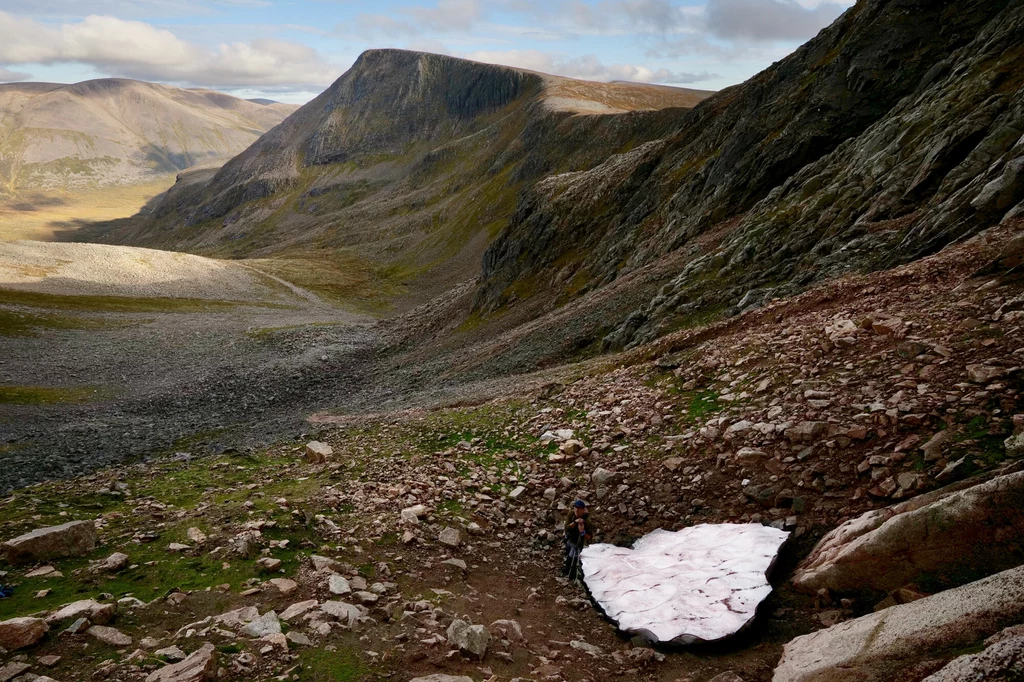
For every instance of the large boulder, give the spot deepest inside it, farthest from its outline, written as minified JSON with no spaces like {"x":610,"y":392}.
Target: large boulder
{"x":74,"y":538}
{"x":199,"y":666}
{"x":884,"y":646}
{"x":18,"y":633}
{"x":949,"y":538}
{"x":698,"y":584}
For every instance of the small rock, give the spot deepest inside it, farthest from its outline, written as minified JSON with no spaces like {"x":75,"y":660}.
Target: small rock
{"x":296,"y":637}
{"x":108,"y":635}
{"x":172,"y":654}
{"x":933,"y":448}
{"x":267,"y":624}
{"x":13,"y":669}
{"x":195,"y":535}
{"x":117,"y":561}
{"x":269,"y":563}
{"x":297,"y":609}
{"x":450,"y":536}
{"x":587,"y":648}
{"x":78,"y":627}
{"x":337,"y":584}
{"x":510,"y":630}
{"x":471,"y":640}
{"x":284,"y":585}
{"x":344,"y":612}
{"x":368,"y":598}
{"x":98,"y":613}
{"x":199,"y":666}
{"x":672,"y":463}
{"x":317,"y":452}
{"x":604,"y":477}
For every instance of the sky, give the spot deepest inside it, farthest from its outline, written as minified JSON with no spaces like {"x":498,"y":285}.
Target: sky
{"x":291,"y":50}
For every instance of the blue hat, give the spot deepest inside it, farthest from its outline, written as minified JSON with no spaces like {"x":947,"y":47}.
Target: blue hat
{"x":579,"y":504}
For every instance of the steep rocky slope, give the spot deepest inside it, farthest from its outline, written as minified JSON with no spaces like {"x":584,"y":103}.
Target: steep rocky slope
{"x":410,"y":162}
{"x":891,"y":134}
{"x":115,"y":131}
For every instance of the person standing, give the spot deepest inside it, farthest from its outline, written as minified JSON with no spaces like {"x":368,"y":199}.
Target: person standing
{"x":579,"y":529}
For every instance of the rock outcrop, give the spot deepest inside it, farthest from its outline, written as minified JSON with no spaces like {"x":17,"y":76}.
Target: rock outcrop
{"x":946,"y":537}
{"x":74,"y":538}
{"x":883,"y":646}
{"x":698,"y":584}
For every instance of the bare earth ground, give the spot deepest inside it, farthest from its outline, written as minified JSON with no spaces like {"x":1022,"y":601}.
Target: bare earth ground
{"x":879,"y":362}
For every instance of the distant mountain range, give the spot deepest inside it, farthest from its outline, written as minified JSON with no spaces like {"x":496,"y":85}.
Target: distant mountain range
{"x":116,"y":131}
{"x":411,"y":162}
{"x":590,"y":216}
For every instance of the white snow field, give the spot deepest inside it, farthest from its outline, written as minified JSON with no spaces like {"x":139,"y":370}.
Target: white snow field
{"x":697,"y":584}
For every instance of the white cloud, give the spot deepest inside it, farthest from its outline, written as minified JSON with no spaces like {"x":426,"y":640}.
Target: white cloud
{"x":587,"y":67}
{"x":140,"y":50}
{"x":8,"y":76}
{"x":770,"y":20}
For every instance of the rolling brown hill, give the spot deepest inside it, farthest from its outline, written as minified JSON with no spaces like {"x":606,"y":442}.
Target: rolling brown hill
{"x":113,"y":131}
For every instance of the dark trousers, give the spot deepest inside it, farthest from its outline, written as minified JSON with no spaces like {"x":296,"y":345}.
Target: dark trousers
{"x":572,"y":564}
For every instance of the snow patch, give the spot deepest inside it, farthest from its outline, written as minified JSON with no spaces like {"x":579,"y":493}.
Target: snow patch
{"x":697,"y":584}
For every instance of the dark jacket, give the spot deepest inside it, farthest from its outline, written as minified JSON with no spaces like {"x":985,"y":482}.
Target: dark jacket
{"x":572,"y":533}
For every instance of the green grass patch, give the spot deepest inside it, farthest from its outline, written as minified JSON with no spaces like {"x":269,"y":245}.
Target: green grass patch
{"x":702,"y":405}
{"x":118,"y":304}
{"x":43,"y":395}
{"x":15,"y":323}
{"x":342,"y":665}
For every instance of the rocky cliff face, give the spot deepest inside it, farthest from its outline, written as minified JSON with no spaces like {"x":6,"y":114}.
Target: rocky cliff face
{"x":894,"y":132}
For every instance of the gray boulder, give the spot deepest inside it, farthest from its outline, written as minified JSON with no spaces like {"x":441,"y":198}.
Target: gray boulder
{"x":884,"y":646}
{"x":74,"y":538}
{"x":960,"y":531}
{"x":471,"y":640}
